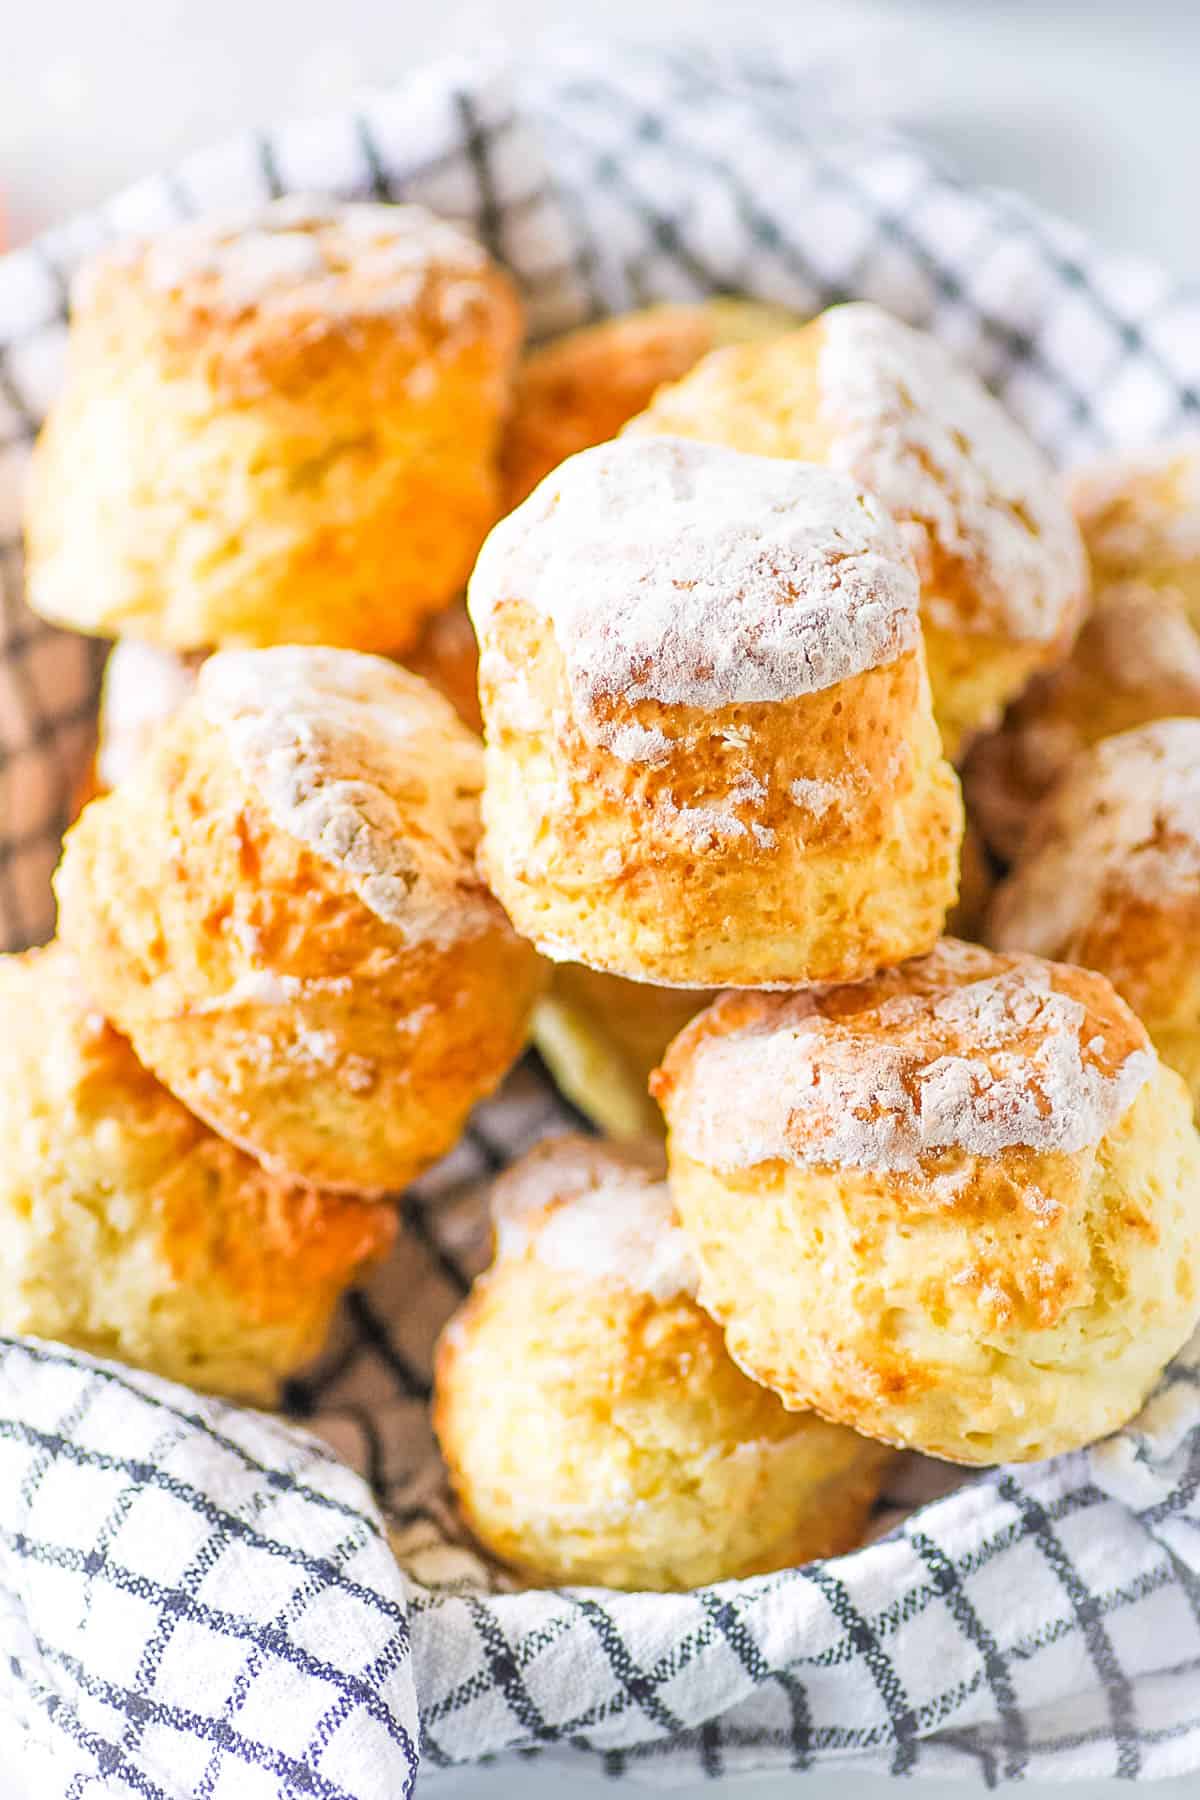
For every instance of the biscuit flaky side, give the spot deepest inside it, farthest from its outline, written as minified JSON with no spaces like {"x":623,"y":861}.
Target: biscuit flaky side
{"x":952,"y":1207}
{"x":1109,"y":877}
{"x":726,"y":770}
{"x":131,"y":1230}
{"x":277,"y":430}
{"x":1003,"y":574}
{"x":280,"y":908}
{"x":596,"y":1430}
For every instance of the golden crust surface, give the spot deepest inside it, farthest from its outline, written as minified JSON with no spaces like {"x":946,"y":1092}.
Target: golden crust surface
{"x":707,"y":870}
{"x":597,"y":1434}
{"x":952,"y":1207}
{"x":131,"y":1230}
{"x":580,"y":389}
{"x":1001,"y":562}
{"x":295,"y":939}
{"x":280,"y":430}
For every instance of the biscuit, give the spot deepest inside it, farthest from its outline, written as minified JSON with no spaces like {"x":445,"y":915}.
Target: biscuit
{"x":580,"y":389}
{"x":1003,"y":574}
{"x":131,"y":1230}
{"x":144,"y":686}
{"x":601,"y":1038}
{"x":710,"y":752}
{"x":280,"y":908}
{"x":1137,"y":657}
{"x":594,"y":1427}
{"x":1109,"y":877}
{"x":141,"y":689}
{"x":276,"y":429}
{"x":953,"y":1207}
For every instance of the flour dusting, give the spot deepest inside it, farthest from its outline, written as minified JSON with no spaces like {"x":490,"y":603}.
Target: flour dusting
{"x":694,"y":575}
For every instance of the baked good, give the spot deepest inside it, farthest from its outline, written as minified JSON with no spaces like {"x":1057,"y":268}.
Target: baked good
{"x":143,"y":686}
{"x":131,"y":1230}
{"x":279,"y":907}
{"x":141,"y":689}
{"x":278,"y":428}
{"x":579,"y":389}
{"x":1003,"y":574}
{"x":594,"y":1427}
{"x":953,"y":1206}
{"x":1109,"y":877}
{"x":711,"y":759}
{"x":1139,"y":512}
{"x":1137,"y":657}
{"x":601,"y":1037}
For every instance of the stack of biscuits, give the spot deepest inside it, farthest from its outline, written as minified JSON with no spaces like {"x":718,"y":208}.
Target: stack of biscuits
{"x":676,"y":793}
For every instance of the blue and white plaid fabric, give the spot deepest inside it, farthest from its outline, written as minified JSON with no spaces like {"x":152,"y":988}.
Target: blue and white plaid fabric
{"x":199,"y":1601}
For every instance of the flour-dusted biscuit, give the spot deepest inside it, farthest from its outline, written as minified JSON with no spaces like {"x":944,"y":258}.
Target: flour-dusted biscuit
{"x":954,"y":1207}
{"x":1003,"y":574}
{"x":595,"y":1429}
{"x":710,"y":751}
{"x":277,"y":428}
{"x":144,"y":686}
{"x":1109,"y":876}
{"x":131,"y":1230}
{"x":280,"y":908}
{"x":1137,"y":657}
{"x":580,"y":389}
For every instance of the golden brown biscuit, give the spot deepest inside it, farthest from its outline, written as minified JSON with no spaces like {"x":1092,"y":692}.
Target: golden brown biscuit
{"x":580,"y":389}
{"x":276,"y":429}
{"x":711,"y":758}
{"x":601,"y":1038}
{"x":953,"y":1207}
{"x":1110,"y":877}
{"x":1140,"y":517}
{"x":144,"y":686}
{"x":131,"y":1230}
{"x":595,"y":1429}
{"x":1137,"y":657}
{"x":279,"y":907}
{"x":1003,"y":575}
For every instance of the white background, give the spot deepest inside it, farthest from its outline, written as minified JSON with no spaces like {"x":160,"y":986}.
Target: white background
{"x":1092,"y":107}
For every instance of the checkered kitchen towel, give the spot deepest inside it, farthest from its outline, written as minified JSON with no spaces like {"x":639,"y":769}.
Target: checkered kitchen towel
{"x":200,"y":1601}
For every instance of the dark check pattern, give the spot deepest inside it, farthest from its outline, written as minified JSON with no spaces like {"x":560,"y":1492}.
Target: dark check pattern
{"x":200,"y":1601}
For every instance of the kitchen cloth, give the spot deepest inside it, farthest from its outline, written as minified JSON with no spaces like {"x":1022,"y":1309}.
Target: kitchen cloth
{"x":198,"y":1602}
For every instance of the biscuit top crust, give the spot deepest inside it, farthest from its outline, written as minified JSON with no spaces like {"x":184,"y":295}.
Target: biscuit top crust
{"x":369,"y":768}
{"x":301,"y":257}
{"x":1138,"y":636}
{"x":143,"y":686}
{"x":1142,"y":507}
{"x":958,"y":1050}
{"x":1124,"y":819}
{"x":597,"y":1212}
{"x":694,"y":575}
{"x":923,"y":433}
